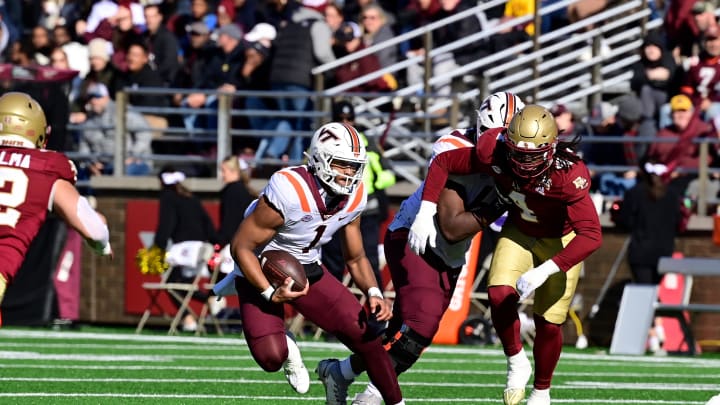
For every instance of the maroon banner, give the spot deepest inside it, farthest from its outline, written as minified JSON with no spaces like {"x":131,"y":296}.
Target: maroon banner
{"x":141,"y":218}
{"x":67,"y":277}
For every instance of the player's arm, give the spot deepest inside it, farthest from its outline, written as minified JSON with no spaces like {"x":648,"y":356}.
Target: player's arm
{"x":361,"y":270}
{"x":588,"y":233}
{"x":256,"y":230}
{"x":78,"y":214}
{"x":454,"y":222}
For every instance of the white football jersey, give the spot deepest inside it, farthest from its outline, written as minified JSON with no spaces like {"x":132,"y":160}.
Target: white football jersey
{"x":453,"y":254}
{"x":297,"y":195}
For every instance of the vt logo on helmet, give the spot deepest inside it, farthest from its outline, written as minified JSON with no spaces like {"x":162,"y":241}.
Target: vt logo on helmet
{"x":531,"y":140}
{"x":337,"y":157}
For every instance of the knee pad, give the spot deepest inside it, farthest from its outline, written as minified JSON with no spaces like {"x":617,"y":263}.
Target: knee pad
{"x":405,"y":347}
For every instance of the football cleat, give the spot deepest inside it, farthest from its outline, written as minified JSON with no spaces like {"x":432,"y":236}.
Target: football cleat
{"x":539,"y":397}
{"x":336,"y":386}
{"x":366,"y":398}
{"x":518,"y":375}
{"x":295,"y":371}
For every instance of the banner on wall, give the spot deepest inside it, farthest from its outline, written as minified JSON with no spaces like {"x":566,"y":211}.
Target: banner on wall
{"x":141,"y":218}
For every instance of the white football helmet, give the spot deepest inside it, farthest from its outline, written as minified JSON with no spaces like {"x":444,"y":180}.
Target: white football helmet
{"x":337,"y":143}
{"x":497,"y":110}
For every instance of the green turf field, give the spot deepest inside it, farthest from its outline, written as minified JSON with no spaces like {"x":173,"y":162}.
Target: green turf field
{"x":97,"y":366}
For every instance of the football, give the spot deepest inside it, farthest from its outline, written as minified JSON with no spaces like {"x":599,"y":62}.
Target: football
{"x":277,"y":265}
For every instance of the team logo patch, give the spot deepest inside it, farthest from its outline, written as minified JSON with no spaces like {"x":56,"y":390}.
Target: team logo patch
{"x":580,"y":183}
{"x":306,"y":218}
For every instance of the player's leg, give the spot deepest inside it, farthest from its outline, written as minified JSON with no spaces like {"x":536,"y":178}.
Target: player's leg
{"x":264,"y":329}
{"x":350,"y":323}
{"x":511,"y":259}
{"x":551,"y":306}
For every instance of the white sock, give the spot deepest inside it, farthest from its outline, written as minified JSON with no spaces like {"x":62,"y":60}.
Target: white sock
{"x":540,"y":393}
{"x":346,"y":369}
{"x":518,"y":359}
{"x":372,"y":390}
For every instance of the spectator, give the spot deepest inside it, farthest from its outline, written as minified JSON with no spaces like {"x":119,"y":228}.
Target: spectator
{"x":247,"y":13}
{"x":681,"y":156}
{"x":98,"y":134}
{"x":8,"y":35}
{"x":77,"y":53}
{"x":182,"y":218}
{"x":195,"y":61}
{"x":101,"y":71}
{"x":235,"y":197}
{"x":139,"y":74}
{"x":334,"y":17}
{"x":301,"y":44}
{"x":42,"y":45}
{"x":200,"y":11}
{"x":377,"y":177}
{"x":565,"y":120}
{"x":702,"y":79}
{"x":376,"y":29}
{"x":222,"y":73}
{"x":59,"y":60}
{"x":348,"y":39}
{"x":161,"y":44}
{"x":256,"y":76}
{"x":681,"y":30}
{"x":654,"y":77}
{"x":121,"y":31}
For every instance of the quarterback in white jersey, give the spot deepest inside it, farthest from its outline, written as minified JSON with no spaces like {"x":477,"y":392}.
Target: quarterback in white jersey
{"x":425,"y":283}
{"x":297,"y":212}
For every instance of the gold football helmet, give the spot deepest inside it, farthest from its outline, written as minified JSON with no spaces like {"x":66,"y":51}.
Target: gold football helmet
{"x":531,"y":140}
{"x":22,"y":121}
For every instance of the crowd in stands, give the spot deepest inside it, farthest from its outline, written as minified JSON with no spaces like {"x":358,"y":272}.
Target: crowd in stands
{"x":199,"y":46}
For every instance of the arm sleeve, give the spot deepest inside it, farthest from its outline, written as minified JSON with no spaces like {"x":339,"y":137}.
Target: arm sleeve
{"x":586,"y":224}
{"x":459,"y":161}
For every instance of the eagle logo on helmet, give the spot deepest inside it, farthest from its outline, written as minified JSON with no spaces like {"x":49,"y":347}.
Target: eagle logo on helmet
{"x":531,"y":140}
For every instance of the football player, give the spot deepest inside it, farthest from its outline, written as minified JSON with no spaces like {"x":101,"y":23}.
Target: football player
{"x":298,"y":211}
{"x":35,"y":181}
{"x":551,"y":228}
{"x":425,"y":283}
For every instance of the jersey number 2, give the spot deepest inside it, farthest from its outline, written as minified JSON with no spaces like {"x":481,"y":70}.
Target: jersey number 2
{"x":13,"y":191}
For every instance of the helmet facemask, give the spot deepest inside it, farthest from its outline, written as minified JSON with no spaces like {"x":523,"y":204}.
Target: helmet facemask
{"x":531,"y":141}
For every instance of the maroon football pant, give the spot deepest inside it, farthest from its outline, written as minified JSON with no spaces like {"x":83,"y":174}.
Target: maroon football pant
{"x":423,"y":285}
{"x":332,"y":307}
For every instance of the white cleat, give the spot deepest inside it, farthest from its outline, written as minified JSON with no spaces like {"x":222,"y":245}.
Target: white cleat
{"x":336,"y":386}
{"x":295,"y":371}
{"x":366,"y":398}
{"x":518,"y":375}
{"x":539,"y":397}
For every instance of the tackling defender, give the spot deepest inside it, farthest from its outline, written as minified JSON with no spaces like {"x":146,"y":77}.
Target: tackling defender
{"x":298,"y":211}
{"x":425,"y":283}
{"x":36,"y":180}
{"x":551,"y":228}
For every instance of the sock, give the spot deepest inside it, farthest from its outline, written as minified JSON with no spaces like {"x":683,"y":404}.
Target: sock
{"x":546,"y":351}
{"x":372,"y":390}
{"x":503,"y":301}
{"x":518,"y":359}
{"x":346,"y":369}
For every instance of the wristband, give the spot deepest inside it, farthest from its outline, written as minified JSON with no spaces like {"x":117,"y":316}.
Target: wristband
{"x":268,"y":293}
{"x":374,"y":292}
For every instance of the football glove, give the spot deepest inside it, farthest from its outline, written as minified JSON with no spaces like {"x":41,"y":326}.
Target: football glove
{"x":423,"y":228}
{"x":535,"y":277}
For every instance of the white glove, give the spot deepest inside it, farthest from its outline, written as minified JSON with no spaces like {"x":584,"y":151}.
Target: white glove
{"x":534,"y":278}
{"x":423,"y":228}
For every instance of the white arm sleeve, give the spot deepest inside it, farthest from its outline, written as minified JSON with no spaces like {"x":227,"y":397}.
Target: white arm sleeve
{"x":96,"y":228}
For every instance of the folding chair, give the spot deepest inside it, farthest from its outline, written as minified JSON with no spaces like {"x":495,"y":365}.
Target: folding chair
{"x":182,"y":292}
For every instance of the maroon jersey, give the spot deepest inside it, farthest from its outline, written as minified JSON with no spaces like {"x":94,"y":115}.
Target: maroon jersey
{"x":702,"y":80}
{"x":26,"y":181}
{"x":550,"y":208}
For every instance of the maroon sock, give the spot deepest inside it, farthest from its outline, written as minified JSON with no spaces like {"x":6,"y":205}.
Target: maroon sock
{"x":503,"y":305}
{"x":547,"y":348}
